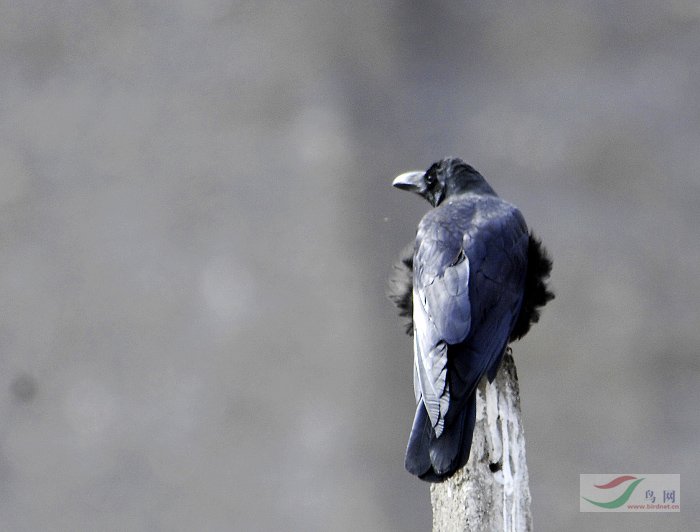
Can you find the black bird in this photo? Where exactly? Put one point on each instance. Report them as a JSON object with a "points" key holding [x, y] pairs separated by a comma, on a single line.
{"points": [[473, 281]]}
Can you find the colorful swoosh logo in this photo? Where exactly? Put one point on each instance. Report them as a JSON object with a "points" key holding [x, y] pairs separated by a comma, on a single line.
{"points": [[622, 499], [615, 482]]}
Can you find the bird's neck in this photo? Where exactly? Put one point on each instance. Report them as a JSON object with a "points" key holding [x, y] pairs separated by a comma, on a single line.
{"points": [[479, 188]]}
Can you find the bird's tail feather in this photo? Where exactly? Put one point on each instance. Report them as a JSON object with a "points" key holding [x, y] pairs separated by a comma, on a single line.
{"points": [[418, 451], [436, 459]]}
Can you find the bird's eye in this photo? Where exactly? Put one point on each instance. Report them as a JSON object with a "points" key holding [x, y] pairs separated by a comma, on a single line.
{"points": [[430, 179]]}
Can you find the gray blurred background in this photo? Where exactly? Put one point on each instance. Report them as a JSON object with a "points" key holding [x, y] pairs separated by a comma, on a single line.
{"points": [[197, 225]]}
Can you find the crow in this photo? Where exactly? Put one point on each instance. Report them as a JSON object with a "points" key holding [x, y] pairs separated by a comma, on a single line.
{"points": [[473, 281]]}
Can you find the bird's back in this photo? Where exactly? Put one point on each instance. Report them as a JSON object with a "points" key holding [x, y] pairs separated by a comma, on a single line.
{"points": [[489, 235]]}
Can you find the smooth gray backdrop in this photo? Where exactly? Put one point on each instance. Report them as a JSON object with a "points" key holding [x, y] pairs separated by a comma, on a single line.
{"points": [[197, 223]]}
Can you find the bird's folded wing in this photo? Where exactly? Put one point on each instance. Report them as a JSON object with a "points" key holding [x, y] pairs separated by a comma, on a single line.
{"points": [[441, 315]]}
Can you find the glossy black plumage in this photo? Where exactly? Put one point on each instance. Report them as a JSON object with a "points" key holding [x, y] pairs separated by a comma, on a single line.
{"points": [[475, 281]]}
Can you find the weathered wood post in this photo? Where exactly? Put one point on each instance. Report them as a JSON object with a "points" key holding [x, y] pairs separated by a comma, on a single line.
{"points": [[491, 492]]}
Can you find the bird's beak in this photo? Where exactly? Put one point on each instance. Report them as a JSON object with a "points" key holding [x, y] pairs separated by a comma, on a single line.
{"points": [[412, 181]]}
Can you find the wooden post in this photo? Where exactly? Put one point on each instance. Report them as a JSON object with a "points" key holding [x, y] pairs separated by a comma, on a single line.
{"points": [[491, 492]]}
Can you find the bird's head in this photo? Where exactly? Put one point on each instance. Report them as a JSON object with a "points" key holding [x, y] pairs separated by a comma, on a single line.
{"points": [[445, 178]]}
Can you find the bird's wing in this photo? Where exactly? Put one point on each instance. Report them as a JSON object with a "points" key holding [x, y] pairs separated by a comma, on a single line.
{"points": [[497, 251], [441, 313]]}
